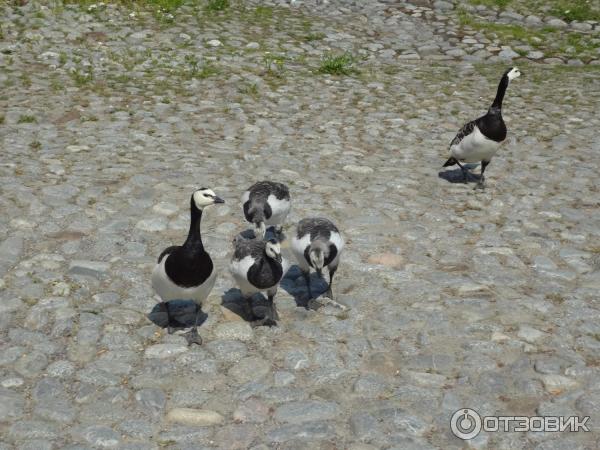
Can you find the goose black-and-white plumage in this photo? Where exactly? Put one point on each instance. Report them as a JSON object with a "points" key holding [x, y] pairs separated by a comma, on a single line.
{"points": [[478, 140], [266, 203], [256, 266], [186, 272], [318, 244]]}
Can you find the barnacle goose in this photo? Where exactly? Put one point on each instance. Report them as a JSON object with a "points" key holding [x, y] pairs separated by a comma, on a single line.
{"points": [[266, 203], [318, 244], [479, 139], [257, 265], [186, 272]]}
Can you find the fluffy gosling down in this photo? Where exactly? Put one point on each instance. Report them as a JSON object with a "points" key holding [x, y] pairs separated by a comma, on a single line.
{"points": [[318, 244], [186, 272], [479, 140], [257, 266], [266, 204]]}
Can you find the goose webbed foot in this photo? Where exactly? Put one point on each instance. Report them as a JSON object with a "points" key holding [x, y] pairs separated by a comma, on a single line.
{"points": [[274, 313], [271, 316], [325, 300], [480, 183], [192, 337], [264, 322]]}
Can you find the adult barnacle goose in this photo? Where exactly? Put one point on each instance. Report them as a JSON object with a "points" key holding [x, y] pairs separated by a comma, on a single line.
{"points": [[186, 272], [479, 139], [257, 265], [266, 203], [318, 244]]}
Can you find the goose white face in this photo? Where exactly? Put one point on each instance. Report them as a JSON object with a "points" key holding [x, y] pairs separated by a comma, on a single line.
{"points": [[273, 250], [513, 73], [206, 197]]}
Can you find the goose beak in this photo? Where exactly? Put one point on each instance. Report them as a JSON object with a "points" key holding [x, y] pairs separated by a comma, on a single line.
{"points": [[218, 200]]}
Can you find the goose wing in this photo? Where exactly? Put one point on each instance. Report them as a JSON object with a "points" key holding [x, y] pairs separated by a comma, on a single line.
{"points": [[167, 251], [466, 130]]}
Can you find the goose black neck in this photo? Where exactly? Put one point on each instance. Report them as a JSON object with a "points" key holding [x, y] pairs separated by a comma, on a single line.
{"points": [[194, 238], [497, 105]]}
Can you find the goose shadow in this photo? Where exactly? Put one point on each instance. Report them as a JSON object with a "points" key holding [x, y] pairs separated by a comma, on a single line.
{"points": [[233, 300], [182, 313], [294, 284], [257, 308], [456, 175]]}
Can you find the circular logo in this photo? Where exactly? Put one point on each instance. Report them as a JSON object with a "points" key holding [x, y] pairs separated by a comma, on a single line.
{"points": [[465, 424]]}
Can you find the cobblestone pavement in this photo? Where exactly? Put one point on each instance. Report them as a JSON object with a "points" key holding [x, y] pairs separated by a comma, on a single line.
{"points": [[458, 298]]}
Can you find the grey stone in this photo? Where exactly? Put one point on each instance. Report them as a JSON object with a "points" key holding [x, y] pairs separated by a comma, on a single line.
{"points": [[240, 331], [94, 269], [557, 23], [250, 368], [442, 5], [101, 436], [308, 431], [305, 411], [508, 53], [10, 251], [12, 405], [151, 401]]}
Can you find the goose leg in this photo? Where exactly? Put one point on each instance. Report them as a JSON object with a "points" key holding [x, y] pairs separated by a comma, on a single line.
{"points": [[327, 298], [465, 172], [307, 280], [165, 306], [271, 315], [329, 293], [480, 183], [248, 306], [192, 336]]}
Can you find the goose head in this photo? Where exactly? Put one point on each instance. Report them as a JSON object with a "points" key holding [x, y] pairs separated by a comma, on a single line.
{"points": [[204, 197], [512, 73], [273, 250]]}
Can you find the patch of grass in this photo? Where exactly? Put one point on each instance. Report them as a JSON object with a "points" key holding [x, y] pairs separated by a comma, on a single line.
{"points": [[82, 78], [338, 65], [35, 145], [55, 84], [314, 37], [24, 118], [274, 64], [550, 40], [195, 70], [1, 120], [263, 12], [579, 10], [216, 5], [166, 5], [464, 17], [250, 89], [497, 3], [556, 298]]}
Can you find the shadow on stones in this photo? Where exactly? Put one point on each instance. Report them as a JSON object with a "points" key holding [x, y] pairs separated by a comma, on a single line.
{"points": [[182, 312], [294, 284], [256, 309], [233, 300], [456, 175], [270, 234]]}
